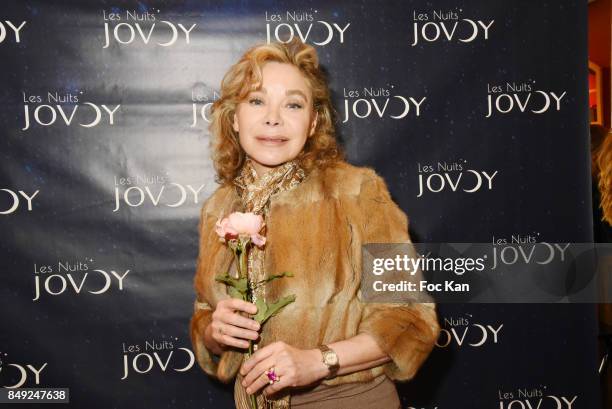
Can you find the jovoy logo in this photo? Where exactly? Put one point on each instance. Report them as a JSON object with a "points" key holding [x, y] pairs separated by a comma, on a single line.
{"points": [[159, 354], [75, 278], [136, 191], [124, 27], [452, 176], [525, 249], [66, 109], [461, 332], [431, 26], [309, 26], [513, 97], [381, 102]]}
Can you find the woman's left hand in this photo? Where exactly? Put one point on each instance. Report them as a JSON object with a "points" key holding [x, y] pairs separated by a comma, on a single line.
{"points": [[295, 367]]}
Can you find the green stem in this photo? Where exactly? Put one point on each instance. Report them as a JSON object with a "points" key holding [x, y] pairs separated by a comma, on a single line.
{"points": [[243, 263], [242, 270], [252, 397]]}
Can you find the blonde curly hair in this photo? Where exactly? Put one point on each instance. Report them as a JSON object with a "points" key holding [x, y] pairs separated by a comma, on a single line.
{"points": [[320, 150], [604, 162]]}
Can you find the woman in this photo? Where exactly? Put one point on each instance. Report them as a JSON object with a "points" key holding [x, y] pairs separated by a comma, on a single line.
{"points": [[275, 154]]}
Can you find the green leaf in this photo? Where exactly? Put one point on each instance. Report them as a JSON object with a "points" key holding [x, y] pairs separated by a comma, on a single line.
{"points": [[235, 293], [274, 277], [262, 308], [239, 284], [273, 308]]}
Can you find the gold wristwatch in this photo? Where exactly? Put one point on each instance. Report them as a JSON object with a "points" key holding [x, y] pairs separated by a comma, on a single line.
{"points": [[330, 359]]}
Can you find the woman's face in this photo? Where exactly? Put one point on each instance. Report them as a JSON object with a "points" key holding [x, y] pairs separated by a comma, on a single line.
{"points": [[274, 122]]}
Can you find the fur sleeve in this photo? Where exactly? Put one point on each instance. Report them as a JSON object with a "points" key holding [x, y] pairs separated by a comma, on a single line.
{"points": [[405, 332], [202, 311]]}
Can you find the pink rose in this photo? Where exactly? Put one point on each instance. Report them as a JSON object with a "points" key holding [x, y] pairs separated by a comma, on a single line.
{"points": [[242, 224], [223, 228]]}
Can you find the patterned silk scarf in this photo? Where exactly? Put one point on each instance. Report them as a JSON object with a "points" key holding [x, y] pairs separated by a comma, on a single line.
{"points": [[255, 194]]}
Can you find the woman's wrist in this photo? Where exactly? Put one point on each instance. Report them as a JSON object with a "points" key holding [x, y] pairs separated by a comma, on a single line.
{"points": [[320, 369], [210, 343]]}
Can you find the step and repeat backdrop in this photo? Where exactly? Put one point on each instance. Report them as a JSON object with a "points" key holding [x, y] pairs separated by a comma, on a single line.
{"points": [[474, 112]]}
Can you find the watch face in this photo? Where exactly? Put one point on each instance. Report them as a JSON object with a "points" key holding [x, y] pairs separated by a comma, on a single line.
{"points": [[331, 358]]}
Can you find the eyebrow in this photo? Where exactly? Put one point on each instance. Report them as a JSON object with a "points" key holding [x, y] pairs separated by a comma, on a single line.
{"points": [[288, 93]]}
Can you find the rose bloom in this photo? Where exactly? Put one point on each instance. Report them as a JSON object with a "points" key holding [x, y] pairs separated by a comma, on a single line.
{"points": [[241, 224]]}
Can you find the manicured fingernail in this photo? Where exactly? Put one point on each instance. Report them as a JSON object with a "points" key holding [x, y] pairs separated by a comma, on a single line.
{"points": [[248, 391]]}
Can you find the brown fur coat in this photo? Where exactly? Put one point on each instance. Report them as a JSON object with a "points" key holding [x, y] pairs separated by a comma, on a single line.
{"points": [[316, 232]]}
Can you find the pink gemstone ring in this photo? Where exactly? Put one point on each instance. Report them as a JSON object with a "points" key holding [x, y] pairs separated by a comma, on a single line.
{"points": [[272, 376]]}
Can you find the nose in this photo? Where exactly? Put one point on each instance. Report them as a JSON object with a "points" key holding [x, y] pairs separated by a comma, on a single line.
{"points": [[272, 117]]}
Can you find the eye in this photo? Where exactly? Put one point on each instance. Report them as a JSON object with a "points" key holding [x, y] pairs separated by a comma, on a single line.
{"points": [[295, 105], [255, 101]]}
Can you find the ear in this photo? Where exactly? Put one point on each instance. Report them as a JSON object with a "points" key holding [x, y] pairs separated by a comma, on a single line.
{"points": [[235, 125], [313, 124]]}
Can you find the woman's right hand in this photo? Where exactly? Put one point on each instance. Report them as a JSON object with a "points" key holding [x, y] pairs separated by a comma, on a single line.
{"points": [[230, 328]]}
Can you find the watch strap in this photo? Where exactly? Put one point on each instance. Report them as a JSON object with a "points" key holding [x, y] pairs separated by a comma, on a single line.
{"points": [[333, 369]]}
